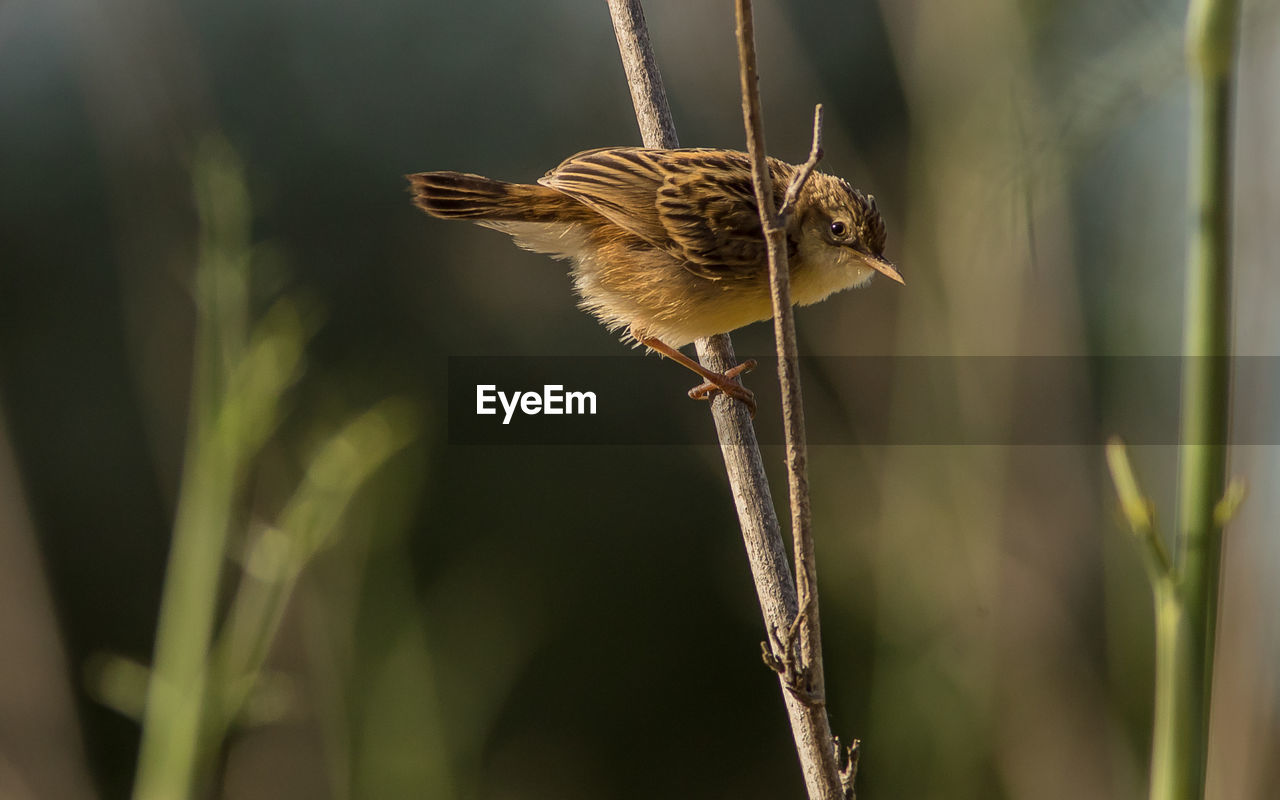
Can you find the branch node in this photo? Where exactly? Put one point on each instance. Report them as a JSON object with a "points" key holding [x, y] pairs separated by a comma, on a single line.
{"points": [[847, 758], [1138, 512], [782, 654], [1227, 507]]}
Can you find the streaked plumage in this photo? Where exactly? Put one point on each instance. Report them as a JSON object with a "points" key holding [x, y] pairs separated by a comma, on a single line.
{"points": [[667, 245]]}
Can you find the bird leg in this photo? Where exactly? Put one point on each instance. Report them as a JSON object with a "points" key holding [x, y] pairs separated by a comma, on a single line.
{"points": [[714, 381]]}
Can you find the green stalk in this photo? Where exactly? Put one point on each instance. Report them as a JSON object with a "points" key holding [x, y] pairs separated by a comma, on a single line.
{"points": [[172, 720], [1187, 603], [237, 384], [174, 706]]}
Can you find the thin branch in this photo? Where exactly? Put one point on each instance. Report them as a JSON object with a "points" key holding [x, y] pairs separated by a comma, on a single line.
{"points": [[648, 95], [738, 445], [822, 772]]}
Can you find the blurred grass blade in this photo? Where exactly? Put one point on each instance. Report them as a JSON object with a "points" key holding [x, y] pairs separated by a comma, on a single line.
{"points": [[306, 526], [234, 402]]}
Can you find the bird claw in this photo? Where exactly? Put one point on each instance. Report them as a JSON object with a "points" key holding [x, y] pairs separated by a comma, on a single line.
{"points": [[727, 383]]}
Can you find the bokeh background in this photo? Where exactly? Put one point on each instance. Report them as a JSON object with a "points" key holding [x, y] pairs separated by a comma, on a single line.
{"points": [[578, 622]]}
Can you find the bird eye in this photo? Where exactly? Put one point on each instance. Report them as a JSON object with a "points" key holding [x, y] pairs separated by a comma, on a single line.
{"points": [[839, 229]]}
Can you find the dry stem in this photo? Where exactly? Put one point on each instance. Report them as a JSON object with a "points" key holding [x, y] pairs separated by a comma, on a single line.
{"points": [[822, 773], [740, 449]]}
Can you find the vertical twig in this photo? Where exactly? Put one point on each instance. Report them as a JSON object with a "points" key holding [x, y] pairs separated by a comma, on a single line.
{"points": [[1182, 710], [807, 678], [738, 445], [784, 331], [1186, 593]]}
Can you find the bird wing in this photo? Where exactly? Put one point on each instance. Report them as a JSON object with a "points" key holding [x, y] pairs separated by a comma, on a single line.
{"points": [[697, 204], [619, 183]]}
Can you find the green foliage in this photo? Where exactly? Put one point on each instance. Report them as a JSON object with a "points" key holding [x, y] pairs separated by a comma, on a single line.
{"points": [[201, 680]]}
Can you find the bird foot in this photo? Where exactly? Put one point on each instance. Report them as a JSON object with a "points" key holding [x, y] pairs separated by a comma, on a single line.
{"points": [[727, 382]]}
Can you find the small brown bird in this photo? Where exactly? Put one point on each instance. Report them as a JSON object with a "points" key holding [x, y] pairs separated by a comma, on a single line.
{"points": [[667, 245]]}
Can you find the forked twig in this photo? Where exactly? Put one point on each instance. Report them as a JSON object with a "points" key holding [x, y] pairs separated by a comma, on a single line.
{"points": [[806, 169]]}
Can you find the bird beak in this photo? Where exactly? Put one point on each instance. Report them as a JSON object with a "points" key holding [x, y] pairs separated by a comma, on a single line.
{"points": [[884, 268]]}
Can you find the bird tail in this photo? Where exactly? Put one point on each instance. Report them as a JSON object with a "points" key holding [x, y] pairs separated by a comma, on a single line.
{"points": [[461, 195]]}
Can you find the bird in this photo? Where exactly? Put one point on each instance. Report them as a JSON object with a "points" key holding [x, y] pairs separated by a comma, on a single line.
{"points": [[667, 245]]}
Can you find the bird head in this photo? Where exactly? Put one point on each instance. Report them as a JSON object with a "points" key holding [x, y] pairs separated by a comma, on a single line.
{"points": [[840, 225]]}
